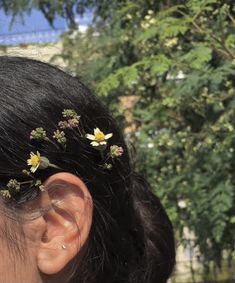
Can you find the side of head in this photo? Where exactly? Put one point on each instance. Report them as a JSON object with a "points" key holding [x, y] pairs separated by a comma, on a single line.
{"points": [[90, 224]]}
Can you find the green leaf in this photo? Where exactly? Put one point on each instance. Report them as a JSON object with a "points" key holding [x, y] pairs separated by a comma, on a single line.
{"points": [[198, 56], [159, 65], [232, 220], [107, 85]]}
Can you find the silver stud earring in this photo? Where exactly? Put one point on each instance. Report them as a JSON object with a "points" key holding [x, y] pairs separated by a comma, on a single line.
{"points": [[64, 247]]}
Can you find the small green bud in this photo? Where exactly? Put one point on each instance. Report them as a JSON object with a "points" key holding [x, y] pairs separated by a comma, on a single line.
{"points": [[38, 134]]}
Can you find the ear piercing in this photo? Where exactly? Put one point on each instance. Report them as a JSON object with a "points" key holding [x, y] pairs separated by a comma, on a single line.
{"points": [[64, 247]]}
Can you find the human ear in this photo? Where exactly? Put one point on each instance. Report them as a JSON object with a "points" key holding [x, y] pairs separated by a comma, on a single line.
{"points": [[66, 224]]}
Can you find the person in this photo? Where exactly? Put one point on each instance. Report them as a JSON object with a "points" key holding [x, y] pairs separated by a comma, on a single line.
{"points": [[72, 207]]}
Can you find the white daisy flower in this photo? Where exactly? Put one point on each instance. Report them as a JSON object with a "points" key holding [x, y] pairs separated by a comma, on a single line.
{"points": [[99, 138]]}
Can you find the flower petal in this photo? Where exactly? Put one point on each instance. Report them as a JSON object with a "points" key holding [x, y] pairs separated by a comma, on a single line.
{"points": [[90, 137], [96, 131], [103, 143], [33, 169], [94, 143], [108, 136]]}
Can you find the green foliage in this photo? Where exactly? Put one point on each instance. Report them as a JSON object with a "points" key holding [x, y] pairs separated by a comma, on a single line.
{"points": [[197, 57], [178, 58]]}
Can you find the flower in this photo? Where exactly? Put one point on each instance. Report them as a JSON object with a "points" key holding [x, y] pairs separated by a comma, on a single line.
{"points": [[116, 151], [37, 161], [60, 137], [99, 138], [13, 184], [73, 123], [108, 166], [34, 161], [63, 124], [5, 193], [171, 42], [26, 172], [70, 114], [70, 124], [38, 183], [38, 134]]}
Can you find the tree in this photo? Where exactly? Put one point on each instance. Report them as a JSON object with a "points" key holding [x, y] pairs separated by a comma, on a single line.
{"points": [[178, 58]]}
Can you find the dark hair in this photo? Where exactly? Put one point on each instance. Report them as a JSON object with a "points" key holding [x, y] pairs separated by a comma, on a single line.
{"points": [[131, 238]]}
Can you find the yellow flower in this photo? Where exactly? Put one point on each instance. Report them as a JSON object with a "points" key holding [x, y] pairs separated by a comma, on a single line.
{"points": [[34, 161], [171, 42], [99, 138], [37, 161]]}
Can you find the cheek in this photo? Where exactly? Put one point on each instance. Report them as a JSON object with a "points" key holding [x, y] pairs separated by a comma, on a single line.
{"points": [[7, 263], [15, 266]]}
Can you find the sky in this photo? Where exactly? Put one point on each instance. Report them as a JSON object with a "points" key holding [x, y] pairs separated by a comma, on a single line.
{"points": [[33, 29]]}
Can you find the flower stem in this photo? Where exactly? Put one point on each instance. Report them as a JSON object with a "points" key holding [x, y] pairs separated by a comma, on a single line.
{"points": [[54, 166]]}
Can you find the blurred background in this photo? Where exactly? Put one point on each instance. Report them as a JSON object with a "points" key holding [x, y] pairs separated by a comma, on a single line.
{"points": [[166, 70]]}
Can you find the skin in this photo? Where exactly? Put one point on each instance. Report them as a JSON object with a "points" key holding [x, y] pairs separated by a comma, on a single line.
{"points": [[39, 256]]}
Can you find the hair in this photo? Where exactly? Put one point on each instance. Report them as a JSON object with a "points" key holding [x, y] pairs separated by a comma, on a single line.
{"points": [[131, 238]]}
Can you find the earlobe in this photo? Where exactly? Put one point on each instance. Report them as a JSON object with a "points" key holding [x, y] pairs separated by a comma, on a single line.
{"points": [[67, 223]]}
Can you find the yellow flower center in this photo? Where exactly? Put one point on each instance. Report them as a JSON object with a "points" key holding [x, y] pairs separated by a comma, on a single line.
{"points": [[35, 160], [100, 136]]}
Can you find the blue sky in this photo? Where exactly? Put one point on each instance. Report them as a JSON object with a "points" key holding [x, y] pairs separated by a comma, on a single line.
{"points": [[33, 22], [34, 28]]}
